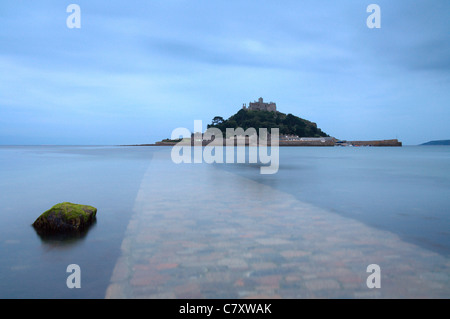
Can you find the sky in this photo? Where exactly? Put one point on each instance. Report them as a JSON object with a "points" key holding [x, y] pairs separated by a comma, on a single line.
{"points": [[137, 70]]}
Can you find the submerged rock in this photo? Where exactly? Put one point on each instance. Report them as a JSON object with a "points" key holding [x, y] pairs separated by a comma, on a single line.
{"points": [[65, 218]]}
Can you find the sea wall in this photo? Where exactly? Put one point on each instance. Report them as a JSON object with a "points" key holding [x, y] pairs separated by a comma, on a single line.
{"points": [[393, 142], [307, 143]]}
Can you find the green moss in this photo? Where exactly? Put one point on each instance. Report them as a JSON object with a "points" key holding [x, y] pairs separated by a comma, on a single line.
{"points": [[71, 211]]}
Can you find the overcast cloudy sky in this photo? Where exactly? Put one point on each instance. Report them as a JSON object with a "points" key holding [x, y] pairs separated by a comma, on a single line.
{"points": [[136, 70]]}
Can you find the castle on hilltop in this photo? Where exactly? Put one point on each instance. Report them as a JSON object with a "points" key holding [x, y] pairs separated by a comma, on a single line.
{"points": [[260, 105]]}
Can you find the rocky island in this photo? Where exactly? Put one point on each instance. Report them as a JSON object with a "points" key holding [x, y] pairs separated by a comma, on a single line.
{"points": [[293, 130]]}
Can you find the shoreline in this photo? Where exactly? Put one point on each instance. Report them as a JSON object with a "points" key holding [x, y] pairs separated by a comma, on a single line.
{"points": [[375, 143]]}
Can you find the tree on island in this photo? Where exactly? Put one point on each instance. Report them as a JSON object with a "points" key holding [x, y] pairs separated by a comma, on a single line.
{"points": [[217, 120]]}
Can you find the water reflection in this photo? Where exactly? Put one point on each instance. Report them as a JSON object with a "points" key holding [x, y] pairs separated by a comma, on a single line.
{"points": [[65, 240]]}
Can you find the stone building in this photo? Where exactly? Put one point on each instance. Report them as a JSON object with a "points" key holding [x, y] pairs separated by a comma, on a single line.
{"points": [[260, 105]]}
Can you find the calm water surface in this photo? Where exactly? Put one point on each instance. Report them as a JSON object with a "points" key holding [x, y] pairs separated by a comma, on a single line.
{"points": [[400, 190], [404, 190], [33, 179]]}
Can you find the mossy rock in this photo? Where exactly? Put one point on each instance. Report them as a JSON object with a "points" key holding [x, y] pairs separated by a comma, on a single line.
{"points": [[64, 218]]}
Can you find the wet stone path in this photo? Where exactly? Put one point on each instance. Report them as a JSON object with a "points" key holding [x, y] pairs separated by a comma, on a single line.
{"points": [[206, 233]]}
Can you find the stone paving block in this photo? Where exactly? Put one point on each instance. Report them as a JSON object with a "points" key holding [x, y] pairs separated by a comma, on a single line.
{"points": [[322, 284]]}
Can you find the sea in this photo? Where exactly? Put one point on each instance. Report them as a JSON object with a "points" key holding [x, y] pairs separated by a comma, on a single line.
{"points": [[224, 230]]}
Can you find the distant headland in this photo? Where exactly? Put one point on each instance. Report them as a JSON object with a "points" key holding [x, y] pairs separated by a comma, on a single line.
{"points": [[437, 142], [293, 130]]}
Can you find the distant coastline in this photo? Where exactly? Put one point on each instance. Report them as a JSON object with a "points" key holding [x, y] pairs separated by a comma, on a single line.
{"points": [[437, 142]]}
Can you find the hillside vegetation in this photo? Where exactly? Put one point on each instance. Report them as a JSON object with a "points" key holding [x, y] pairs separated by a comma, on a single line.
{"points": [[287, 124]]}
